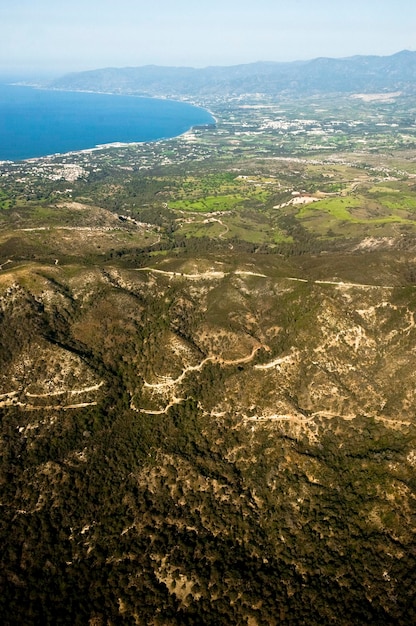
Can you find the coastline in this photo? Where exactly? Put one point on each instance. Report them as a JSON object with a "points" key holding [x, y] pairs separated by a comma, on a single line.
{"points": [[117, 143]]}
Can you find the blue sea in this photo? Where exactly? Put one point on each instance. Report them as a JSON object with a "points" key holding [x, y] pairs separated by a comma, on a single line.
{"points": [[36, 122]]}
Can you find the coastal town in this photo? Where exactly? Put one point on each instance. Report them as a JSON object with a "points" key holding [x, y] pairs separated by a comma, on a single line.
{"points": [[313, 129]]}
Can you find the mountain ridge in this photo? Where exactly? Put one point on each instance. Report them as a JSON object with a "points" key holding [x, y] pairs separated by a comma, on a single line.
{"points": [[321, 75]]}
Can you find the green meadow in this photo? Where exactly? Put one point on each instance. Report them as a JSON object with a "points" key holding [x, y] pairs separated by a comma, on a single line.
{"points": [[378, 206]]}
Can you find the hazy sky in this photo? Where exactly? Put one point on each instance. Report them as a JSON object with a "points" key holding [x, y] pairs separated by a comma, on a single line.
{"points": [[49, 36]]}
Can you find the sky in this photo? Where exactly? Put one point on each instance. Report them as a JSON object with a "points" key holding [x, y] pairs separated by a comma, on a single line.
{"points": [[49, 37]]}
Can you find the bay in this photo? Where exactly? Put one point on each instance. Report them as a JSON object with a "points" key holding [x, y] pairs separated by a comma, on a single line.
{"points": [[37, 122]]}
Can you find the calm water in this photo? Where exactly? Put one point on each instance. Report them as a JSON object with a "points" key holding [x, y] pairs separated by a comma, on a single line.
{"points": [[36, 122]]}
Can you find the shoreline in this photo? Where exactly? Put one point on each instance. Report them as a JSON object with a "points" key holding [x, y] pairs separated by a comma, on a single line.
{"points": [[111, 144]]}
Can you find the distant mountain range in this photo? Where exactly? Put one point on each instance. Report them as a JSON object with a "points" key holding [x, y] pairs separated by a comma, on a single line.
{"points": [[364, 74]]}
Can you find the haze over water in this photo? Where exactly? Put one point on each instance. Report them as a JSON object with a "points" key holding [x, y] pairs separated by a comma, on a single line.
{"points": [[36, 123]]}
